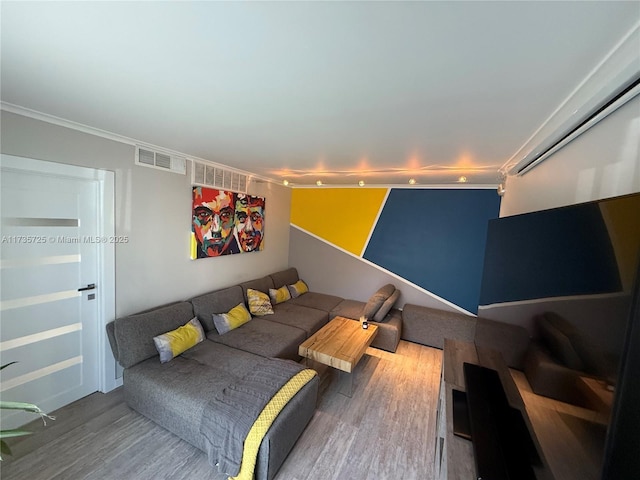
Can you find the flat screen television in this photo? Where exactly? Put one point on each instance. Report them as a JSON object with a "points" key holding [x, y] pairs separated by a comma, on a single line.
{"points": [[581, 263]]}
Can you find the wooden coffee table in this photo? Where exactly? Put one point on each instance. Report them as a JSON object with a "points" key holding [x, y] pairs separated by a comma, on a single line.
{"points": [[340, 344]]}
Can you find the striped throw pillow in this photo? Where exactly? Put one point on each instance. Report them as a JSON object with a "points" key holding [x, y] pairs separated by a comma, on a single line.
{"points": [[259, 303]]}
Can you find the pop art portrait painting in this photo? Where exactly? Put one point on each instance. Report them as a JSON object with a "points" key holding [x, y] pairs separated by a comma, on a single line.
{"points": [[213, 221], [225, 223], [249, 225]]}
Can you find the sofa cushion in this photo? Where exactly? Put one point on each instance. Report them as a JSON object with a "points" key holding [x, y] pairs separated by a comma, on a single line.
{"points": [[348, 309], [573, 347], [386, 307], [237, 316], [259, 302], [219, 301], [595, 360], [430, 326], [557, 341], [265, 338], [308, 319], [175, 342], [550, 379], [510, 340], [285, 277], [279, 295], [298, 288], [135, 333], [319, 301], [262, 284], [377, 299], [559, 323], [389, 331]]}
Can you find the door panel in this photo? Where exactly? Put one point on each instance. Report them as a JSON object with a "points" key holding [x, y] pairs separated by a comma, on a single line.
{"points": [[48, 252]]}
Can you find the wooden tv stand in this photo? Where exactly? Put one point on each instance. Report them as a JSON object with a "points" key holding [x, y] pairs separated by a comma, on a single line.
{"points": [[454, 457], [561, 433]]}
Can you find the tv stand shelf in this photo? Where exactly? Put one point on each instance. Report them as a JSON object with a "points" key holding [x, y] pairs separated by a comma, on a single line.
{"points": [[455, 455]]}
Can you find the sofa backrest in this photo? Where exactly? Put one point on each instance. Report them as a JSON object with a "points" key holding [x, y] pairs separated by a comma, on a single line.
{"points": [[111, 335], [134, 334], [220, 301], [262, 284], [285, 277], [512, 341], [572, 347], [430, 326]]}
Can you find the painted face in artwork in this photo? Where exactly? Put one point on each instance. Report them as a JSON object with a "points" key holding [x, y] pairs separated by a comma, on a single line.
{"points": [[213, 221], [249, 222]]}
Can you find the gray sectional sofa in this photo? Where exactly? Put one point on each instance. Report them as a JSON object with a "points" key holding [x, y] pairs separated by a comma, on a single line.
{"points": [[429, 326], [175, 394], [561, 357]]}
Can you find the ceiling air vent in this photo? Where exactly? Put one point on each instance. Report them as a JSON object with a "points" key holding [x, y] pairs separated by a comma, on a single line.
{"points": [[217, 177], [161, 161]]}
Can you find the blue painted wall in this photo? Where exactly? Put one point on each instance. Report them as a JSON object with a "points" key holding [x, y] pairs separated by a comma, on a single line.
{"points": [[436, 239]]}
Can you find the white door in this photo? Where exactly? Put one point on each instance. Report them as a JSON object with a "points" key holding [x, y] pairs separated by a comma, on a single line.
{"points": [[49, 311]]}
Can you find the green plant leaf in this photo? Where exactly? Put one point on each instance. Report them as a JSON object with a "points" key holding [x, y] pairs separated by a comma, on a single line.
{"points": [[4, 448], [13, 433], [27, 407]]}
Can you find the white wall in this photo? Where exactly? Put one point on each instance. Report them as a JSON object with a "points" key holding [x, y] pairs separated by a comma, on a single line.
{"points": [[153, 208], [603, 162]]}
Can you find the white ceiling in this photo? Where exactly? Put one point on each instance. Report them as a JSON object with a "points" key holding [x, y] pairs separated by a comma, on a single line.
{"points": [[337, 91]]}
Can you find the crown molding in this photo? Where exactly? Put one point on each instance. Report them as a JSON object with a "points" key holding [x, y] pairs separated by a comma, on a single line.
{"points": [[430, 186], [62, 122]]}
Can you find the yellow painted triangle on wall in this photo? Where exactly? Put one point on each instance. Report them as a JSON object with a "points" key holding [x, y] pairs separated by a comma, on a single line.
{"points": [[341, 216]]}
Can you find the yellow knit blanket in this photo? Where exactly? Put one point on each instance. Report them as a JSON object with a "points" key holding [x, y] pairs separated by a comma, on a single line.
{"points": [[265, 419]]}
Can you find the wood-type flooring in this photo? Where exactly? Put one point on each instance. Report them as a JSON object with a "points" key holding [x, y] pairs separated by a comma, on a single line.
{"points": [[386, 430]]}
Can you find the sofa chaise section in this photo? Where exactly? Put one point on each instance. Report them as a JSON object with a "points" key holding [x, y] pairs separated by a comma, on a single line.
{"points": [[174, 394]]}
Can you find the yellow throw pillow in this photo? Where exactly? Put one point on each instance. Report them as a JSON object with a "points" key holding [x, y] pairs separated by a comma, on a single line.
{"points": [[259, 303], [173, 343], [298, 289], [225, 322], [280, 295]]}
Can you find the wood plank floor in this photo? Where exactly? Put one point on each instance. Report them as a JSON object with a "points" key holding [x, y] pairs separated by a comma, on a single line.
{"points": [[386, 430]]}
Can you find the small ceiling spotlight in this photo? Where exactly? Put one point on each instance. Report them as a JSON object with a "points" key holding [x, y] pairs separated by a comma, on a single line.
{"points": [[501, 189], [361, 183], [462, 179], [412, 181], [285, 182], [319, 183]]}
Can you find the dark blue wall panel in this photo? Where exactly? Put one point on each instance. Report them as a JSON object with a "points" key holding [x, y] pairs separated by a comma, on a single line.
{"points": [[436, 239]]}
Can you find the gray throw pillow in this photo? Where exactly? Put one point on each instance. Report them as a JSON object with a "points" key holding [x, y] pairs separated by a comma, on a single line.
{"points": [[386, 307], [377, 299]]}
